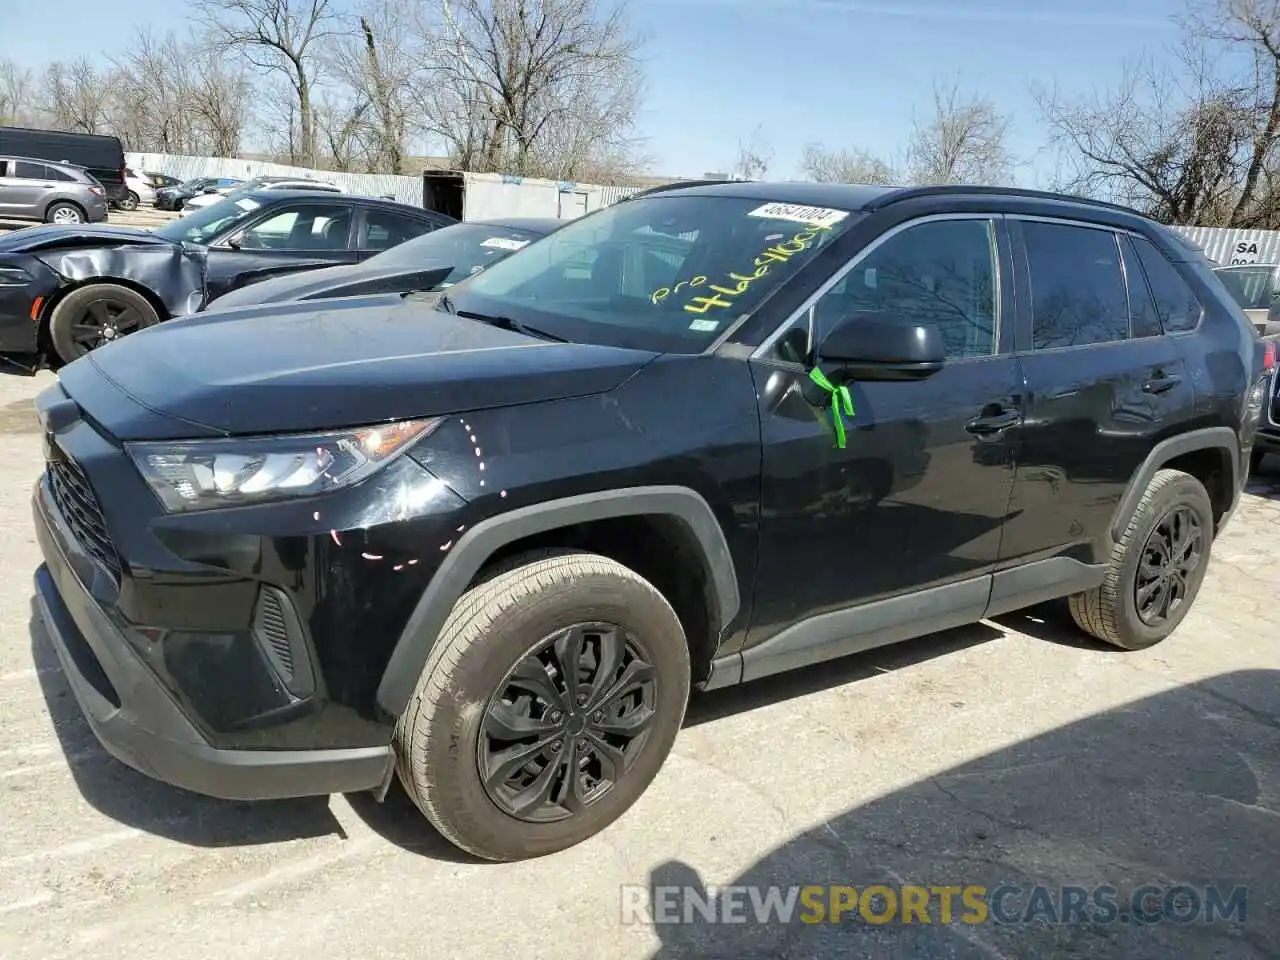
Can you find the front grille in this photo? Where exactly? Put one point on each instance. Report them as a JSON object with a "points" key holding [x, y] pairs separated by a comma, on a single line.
{"points": [[78, 505]]}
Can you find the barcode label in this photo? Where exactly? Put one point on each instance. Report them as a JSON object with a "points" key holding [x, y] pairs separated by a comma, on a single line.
{"points": [[817, 216], [502, 243]]}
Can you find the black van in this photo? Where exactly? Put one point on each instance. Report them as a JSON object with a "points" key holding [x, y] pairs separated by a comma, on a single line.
{"points": [[102, 156]]}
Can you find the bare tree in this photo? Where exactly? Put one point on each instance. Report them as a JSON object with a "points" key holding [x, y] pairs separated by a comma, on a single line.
{"points": [[17, 94], [221, 100], [509, 76], [755, 154], [845, 166], [78, 97], [382, 62], [963, 142], [278, 36]]}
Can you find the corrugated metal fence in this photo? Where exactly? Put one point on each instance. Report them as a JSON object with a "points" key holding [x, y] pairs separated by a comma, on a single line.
{"points": [[405, 189], [1226, 246]]}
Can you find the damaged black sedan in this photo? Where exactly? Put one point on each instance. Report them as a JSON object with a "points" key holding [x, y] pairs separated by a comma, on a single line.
{"points": [[66, 290]]}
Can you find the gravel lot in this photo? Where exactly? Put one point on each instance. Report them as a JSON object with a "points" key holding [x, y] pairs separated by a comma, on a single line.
{"points": [[1008, 752]]}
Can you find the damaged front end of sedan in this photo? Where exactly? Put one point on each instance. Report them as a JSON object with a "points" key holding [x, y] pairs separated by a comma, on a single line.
{"points": [[64, 291]]}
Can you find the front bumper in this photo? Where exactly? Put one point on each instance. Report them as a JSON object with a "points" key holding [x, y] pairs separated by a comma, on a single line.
{"points": [[137, 721]]}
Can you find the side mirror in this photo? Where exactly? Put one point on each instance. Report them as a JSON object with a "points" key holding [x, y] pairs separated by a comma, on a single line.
{"points": [[235, 241], [882, 347]]}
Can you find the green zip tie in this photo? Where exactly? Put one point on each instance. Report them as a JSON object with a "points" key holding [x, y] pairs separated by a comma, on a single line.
{"points": [[840, 397]]}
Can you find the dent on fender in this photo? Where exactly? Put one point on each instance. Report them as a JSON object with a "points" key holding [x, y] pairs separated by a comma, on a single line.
{"points": [[175, 274]]}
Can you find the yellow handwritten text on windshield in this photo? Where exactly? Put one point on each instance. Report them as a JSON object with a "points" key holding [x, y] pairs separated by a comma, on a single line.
{"points": [[724, 295], [663, 292]]}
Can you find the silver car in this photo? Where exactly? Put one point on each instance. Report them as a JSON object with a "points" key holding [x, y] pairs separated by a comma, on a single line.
{"points": [[49, 192], [1256, 287]]}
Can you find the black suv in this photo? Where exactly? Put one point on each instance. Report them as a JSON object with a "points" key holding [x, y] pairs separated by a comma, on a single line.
{"points": [[490, 540]]}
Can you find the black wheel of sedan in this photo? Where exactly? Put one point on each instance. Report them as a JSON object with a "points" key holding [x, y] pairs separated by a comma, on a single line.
{"points": [[548, 704], [97, 314], [1157, 567]]}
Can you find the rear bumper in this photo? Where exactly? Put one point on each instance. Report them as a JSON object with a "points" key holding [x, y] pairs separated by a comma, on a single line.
{"points": [[139, 724]]}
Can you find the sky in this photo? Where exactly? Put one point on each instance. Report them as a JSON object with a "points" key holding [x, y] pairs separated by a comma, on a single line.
{"points": [[784, 73]]}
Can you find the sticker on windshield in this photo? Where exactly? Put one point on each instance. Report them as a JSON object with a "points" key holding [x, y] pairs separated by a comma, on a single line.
{"points": [[816, 216], [502, 243], [244, 203], [704, 326]]}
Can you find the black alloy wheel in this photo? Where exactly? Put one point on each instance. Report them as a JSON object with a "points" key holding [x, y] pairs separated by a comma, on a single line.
{"points": [[1169, 559], [567, 722], [104, 320], [95, 315]]}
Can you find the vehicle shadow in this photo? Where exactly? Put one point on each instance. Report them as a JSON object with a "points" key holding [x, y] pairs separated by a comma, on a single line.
{"points": [[1265, 481], [1178, 789], [135, 800]]}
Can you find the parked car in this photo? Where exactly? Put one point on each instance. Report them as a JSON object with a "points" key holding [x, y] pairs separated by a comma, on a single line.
{"points": [[140, 191], [161, 180], [209, 198], [174, 198], [72, 290], [432, 261], [1256, 288], [101, 156], [49, 192], [488, 540]]}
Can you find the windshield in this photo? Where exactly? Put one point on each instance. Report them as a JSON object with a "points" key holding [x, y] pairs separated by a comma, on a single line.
{"points": [[467, 247], [207, 222], [1251, 287], [666, 272]]}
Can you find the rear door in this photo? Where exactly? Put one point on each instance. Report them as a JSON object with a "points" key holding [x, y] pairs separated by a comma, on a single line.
{"points": [[287, 237], [1104, 385], [27, 185], [379, 229]]}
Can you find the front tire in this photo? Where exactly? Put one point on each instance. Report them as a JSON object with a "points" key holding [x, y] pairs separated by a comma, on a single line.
{"points": [[96, 314], [1156, 569], [548, 704]]}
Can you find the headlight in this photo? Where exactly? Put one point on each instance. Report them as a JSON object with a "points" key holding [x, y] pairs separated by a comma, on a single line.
{"points": [[13, 277], [207, 474]]}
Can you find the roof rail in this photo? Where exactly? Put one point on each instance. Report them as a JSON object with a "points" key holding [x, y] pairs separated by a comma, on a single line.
{"points": [[908, 193], [675, 185]]}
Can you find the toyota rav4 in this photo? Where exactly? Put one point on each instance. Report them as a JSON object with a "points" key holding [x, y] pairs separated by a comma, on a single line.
{"points": [[490, 541]]}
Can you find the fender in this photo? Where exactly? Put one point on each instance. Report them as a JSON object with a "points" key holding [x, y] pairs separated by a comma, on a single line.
{"points": [[1207, 438], [475, 547]]}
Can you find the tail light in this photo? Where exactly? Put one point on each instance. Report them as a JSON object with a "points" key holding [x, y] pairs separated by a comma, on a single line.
{"points": [[1269, 356], [97, 191]]}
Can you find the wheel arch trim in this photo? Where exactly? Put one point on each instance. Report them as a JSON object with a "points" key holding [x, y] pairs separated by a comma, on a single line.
{"points": [[1205, 438], [479, 543]]}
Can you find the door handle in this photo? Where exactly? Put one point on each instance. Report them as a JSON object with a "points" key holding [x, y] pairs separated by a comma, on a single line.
{"points": [[993, 423], [1160, 384]]}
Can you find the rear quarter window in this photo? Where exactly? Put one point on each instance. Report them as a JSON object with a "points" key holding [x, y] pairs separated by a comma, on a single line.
{"points": [[1178, 307]]}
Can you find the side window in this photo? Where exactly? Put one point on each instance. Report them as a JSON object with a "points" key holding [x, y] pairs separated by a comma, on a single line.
{"points": [[386, 229], [53, 173], [1177, 305], [25, 170], [315, 226], [1144, 320], [1078, 294], [942, 273]]}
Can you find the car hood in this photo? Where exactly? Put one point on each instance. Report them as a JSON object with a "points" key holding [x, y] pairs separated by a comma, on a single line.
{"points": [[343, 280], [308, 366], [52, 236]]}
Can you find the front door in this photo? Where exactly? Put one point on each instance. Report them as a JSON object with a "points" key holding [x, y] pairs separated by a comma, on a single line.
{"points": [[288, 238], [917, 497]]}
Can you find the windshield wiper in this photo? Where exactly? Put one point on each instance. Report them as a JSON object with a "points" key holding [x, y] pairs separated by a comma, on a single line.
{"points": [[506, 323]]}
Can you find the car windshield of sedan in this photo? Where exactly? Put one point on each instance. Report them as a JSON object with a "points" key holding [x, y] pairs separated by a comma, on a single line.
{"points": [[207, 222], [467, 247], [666, 272]]}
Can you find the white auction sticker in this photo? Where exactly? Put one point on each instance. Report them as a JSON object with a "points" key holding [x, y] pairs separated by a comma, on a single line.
{"points": [[244, 203], [703, 326], [502, 243], [817, 216]]}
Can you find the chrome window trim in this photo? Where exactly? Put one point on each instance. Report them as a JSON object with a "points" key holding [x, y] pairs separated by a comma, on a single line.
{"points": [[807, 306]]}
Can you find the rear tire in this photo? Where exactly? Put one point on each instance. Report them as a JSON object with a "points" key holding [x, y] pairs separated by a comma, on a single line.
{"points": [[64, 213], [96, 314], [130, 202], [1156, 569], [492, 685]]}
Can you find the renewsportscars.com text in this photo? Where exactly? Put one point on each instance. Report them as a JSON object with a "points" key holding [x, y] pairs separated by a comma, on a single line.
{"points": [[944, 904]]}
